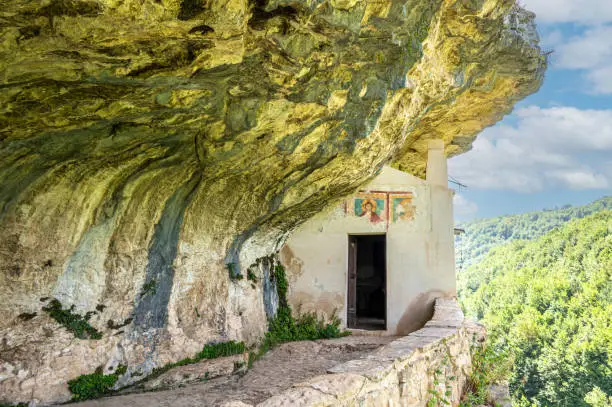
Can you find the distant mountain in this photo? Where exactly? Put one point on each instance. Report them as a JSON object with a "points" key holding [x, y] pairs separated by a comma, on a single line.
{"points": [[484, 234]]}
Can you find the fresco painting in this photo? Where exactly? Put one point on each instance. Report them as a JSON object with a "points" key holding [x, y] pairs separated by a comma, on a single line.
{"points": [[402, 208], [371, 206], [382, 206]]}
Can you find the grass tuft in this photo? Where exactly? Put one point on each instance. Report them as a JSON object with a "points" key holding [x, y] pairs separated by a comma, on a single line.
{"points": [[95, 385], [285, 328], [210, 351], [489, 366]]}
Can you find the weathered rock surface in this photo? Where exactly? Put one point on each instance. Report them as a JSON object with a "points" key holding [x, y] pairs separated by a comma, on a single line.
{"points": [[149, 148], [277, 371], [428, 367], [499, 394], [204, 370]]}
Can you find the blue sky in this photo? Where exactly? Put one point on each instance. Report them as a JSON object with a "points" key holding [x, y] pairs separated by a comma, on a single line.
{"points": [[556, 146]]}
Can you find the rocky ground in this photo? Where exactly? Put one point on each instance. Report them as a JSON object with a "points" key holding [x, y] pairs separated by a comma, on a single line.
{"points": [[276, 371]]}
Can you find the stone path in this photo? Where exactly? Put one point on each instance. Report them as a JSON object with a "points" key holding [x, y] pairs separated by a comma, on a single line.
{"points": [[277, 371]]}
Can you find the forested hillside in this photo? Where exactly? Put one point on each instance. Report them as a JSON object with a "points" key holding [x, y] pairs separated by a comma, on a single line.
{"points": [[482, 235], [548, 303]]}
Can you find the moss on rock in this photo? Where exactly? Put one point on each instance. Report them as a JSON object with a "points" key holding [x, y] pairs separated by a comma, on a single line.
{"points": [[75, 323]]}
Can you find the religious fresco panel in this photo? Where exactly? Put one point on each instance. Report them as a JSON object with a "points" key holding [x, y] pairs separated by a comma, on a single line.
{"points": [[372, 206], [402, 208], [388, 207]]}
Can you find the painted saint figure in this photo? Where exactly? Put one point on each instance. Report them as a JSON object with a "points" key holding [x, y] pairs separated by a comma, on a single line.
{"points": [[368, 207]]}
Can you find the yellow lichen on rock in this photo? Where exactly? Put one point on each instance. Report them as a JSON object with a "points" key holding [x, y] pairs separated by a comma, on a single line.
{"points": [[478, 94], [149, 149]]}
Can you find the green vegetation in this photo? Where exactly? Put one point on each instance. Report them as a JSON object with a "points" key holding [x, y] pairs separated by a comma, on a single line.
{"points": [[210, 351], [75, 323], [484, 234], [437, 397], [95, 385], [547, 304], [217, 350], [285, 328], [91, 386], [150, 287], [489, 366], [14, 405], [251, 276], [233, 273], [597, 398]]}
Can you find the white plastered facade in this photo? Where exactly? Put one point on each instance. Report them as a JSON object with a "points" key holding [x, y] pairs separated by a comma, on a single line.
{"points": [[420, 259]]}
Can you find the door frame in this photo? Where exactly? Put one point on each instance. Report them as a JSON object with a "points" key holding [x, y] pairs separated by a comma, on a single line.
{"points": [[351, 281]]}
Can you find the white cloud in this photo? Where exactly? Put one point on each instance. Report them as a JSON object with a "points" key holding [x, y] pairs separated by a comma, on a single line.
{"points": [[464, 209], [567, 128], [581, 179], [590, 50], [601, 80], [545, 148], [551, 39], [570, 11], [555, 147]]}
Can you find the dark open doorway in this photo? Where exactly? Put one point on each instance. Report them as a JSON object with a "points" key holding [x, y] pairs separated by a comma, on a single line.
{"points": [[367, 283]]}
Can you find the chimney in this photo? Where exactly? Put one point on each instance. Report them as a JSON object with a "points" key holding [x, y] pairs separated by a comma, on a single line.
{"points": [[437, 174]]}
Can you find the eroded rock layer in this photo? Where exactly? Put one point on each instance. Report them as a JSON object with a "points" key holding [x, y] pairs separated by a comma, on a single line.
{"points": [[151, 151]]}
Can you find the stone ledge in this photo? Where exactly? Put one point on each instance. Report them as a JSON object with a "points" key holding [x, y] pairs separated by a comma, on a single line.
{"points": [[203, 370], [399, 373]]}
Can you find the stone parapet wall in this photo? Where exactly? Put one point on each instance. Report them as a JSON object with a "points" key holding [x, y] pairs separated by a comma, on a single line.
{"points": [[432, 363]]}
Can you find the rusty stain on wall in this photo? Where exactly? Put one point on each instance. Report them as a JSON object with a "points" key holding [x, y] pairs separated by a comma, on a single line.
{"points": [[293, 265], [326, 304]]}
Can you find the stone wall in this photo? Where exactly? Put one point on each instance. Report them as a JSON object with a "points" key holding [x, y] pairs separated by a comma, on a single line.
{"points": [[433, 362]]}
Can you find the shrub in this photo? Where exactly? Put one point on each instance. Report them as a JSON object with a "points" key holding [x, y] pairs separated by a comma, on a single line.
{"points": [[150, 287], [489, 366], [220, 349], [96, 385], [91, 386], [234, 274], [251, 276], [597, 398], [284, 328]]}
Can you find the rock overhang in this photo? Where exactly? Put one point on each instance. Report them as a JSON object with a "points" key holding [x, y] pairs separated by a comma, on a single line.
{"points": [[151, 143]]}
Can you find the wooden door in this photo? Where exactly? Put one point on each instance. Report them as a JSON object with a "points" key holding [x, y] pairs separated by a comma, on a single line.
{"points": [[352, 283]]}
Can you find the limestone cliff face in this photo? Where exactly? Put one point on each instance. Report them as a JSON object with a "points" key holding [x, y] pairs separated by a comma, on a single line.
{"points": [[151, 148]]}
